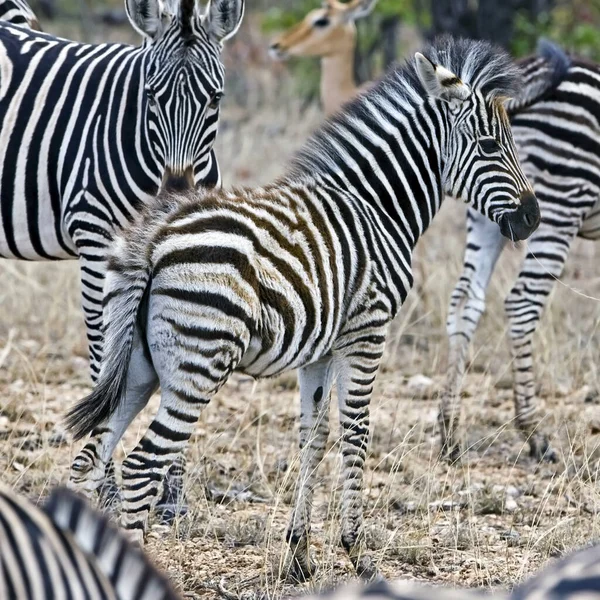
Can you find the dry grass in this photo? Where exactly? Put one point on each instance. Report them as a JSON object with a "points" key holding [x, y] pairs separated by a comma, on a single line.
{"points": [[490, 521]]}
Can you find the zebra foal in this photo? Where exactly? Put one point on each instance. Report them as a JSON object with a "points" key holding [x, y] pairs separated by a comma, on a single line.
{"points": [[305, 273], [556, 126], [67, 550]]}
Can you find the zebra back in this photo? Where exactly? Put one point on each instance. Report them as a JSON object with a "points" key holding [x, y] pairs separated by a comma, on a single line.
{"points": [[19, 12], [69, 550]]}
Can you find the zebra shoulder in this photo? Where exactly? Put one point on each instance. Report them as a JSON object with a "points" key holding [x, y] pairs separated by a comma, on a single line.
{"points": [[124, 564]]}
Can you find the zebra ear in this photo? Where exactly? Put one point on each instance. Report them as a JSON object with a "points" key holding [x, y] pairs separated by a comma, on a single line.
{"points": [[438, 81], [224, 18], [148, 17]]}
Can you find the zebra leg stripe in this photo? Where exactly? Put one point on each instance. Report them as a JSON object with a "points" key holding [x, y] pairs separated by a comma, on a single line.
{"points": [[357, 371], [524, 306], [467, 304], [316, 381]]}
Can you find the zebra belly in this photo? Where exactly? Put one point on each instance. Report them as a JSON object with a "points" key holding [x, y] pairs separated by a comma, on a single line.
{"points": [[33, 239], [590, 229]]}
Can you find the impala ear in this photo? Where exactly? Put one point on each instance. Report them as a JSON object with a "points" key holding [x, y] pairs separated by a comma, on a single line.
{"points": [[438, 81], [224, 18], [357, 9], [148, 17]]}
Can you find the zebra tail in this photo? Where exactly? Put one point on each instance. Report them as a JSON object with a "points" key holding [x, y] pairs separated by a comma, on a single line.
{"points": [[127, 280]]}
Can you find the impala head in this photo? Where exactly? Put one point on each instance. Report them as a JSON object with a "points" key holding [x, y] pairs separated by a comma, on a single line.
{"points": [[184, 76], [470, 81], [324, 31]]}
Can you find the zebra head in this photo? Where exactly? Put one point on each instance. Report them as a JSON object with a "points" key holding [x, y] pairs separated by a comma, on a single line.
{"points": [[184, 77], [471, 80]]}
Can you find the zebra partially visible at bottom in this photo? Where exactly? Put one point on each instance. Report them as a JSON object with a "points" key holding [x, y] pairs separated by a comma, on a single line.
{"points": [[306, 273], [65, 549]]}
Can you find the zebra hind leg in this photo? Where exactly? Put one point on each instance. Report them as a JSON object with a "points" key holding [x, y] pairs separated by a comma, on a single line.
{"points": [[315, 392], [189, 378], [92, 470]]}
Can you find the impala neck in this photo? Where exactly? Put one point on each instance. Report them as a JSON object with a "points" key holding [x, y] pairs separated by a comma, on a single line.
{"points": [[337, 79]]}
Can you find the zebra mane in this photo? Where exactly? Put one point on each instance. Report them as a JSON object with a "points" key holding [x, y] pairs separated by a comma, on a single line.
{"points": [[479, 64]]}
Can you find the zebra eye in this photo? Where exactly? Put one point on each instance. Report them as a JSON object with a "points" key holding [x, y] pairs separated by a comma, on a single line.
{"points": [[489, 145], [216, 100], [322, 22]]}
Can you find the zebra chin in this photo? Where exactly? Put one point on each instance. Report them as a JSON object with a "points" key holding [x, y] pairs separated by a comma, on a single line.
{"points": [[522, 222]]}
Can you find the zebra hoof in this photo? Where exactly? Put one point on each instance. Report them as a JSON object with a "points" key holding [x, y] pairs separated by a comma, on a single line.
{"points": [[451, 453], [366, 569], [168, 513], [541, 451], [302, 570]]}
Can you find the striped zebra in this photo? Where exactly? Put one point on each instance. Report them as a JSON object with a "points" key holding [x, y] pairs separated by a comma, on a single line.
{"points": [[19, 12], [91, 132], [304, 273], [67, 550], [556, 126]]}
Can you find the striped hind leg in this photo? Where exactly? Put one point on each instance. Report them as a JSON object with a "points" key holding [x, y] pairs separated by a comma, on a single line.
{"points": [[190, 377], [467, 305], [547, 252], [357, 372], [315, 392], [92, 464]]}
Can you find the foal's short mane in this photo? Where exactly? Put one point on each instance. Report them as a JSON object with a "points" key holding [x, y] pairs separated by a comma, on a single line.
{"points": [[479, 64]]}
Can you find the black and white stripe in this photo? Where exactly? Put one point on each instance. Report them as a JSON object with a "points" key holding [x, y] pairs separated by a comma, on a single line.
{"points": [[91, 132], [556, 126], [19, 12], [304, 273], [67, 550]]}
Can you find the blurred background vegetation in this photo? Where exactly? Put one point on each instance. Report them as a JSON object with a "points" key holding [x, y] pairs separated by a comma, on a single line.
{"points": [[394, 29]]}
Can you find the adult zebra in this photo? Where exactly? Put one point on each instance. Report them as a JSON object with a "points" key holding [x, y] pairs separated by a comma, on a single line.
{"points": [[67, 550], [19, 13], [305, 273], [91, 132], [556, 126]]}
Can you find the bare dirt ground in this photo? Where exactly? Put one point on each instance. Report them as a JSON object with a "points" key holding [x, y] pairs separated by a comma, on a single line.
{"points": [[489, 521]]}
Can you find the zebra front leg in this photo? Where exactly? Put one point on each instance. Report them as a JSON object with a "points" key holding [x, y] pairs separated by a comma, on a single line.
{"points": [[546, 255], [315, 390], [91, 469], [467, 304], [357, 372]]}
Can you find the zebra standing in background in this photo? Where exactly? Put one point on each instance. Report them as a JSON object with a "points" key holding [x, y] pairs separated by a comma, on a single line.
{"points": [[68, 550], [19, 12], [91, 132], [556, 126], [305, 273]]}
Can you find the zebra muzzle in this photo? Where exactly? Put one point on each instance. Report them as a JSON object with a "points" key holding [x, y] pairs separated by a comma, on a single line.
{"points": [[521, 223], [178, 182]]}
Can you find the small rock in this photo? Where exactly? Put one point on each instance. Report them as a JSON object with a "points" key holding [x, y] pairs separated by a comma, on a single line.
{"points": [[512, 491], [420, 386], [510, 505], [511, 537]]}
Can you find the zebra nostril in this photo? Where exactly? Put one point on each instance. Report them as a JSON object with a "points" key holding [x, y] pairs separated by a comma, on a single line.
{"points": [[529, 219]]}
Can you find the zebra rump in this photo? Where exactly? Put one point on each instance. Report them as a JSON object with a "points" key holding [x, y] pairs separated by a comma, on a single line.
{"points": [[68, 550]]}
